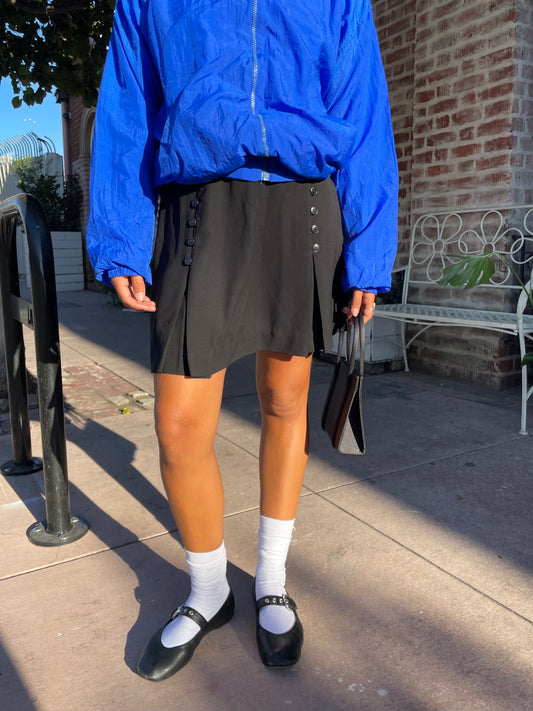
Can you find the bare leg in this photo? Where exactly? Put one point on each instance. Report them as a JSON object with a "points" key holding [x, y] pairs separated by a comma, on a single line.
{"points": [[187, 412], [282, 387], [186, 415]]}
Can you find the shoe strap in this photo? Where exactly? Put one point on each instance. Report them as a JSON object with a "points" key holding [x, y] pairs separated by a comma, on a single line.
{"points": [[191, 613], [284, 600]]}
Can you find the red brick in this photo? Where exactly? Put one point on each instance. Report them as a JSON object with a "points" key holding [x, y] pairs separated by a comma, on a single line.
{"points": [[443, 106], [467, 134], [498, 107], [467, 149], [501, 56], [439, 75], [443, 41], [443, 59], [469, 82], [424, 65], [502, 143], [402, 137], [426, 157], [470, 49], [506, 72], [441, 169], [446, 8], [469, 115], [440, 138], [425, 126], [465, 166], [424, 96], [469, 98], [492, 162], [399, 54], [492, 92], [494, 127]]}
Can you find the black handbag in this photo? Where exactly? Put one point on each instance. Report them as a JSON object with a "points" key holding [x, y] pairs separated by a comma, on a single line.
{"points": [[342, 417]]}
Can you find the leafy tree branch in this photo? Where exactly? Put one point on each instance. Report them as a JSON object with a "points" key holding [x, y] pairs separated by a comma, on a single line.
{"points": [[54, 45]]}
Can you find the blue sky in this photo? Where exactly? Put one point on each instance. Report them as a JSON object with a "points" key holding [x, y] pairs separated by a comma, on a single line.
{"points": [[43, 119]]}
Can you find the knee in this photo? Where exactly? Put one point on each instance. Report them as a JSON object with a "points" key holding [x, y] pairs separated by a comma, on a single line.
{"points": [[179, 438], [287, 403]]}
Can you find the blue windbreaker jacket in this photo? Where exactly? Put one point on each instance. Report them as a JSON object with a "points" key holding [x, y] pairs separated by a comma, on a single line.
{"points": [[274, 90]]}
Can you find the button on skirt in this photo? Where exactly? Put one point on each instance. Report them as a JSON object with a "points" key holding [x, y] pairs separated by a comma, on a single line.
{"points": [[239, 267]]}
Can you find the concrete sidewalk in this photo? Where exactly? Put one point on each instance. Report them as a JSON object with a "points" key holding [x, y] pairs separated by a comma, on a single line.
{"points": [[412, 566]]}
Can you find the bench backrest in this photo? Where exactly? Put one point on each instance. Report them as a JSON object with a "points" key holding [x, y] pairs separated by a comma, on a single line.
{"points": [[439, 238]]}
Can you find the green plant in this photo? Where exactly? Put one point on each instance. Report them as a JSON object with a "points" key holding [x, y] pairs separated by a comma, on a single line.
{"points": [[477, 269], [70, 203], [62, 209]]}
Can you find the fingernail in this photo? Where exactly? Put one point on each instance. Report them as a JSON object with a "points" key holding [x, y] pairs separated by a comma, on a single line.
{"points": [[139, 296], [355, 312]]}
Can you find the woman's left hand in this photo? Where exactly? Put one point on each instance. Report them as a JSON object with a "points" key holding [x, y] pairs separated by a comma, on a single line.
{"points": [[364, 300]]}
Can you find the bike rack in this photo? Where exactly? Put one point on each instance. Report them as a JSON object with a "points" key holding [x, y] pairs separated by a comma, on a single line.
{"points": [[40, 315]]}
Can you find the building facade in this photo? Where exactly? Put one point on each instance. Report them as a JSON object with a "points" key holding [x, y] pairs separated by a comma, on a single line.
{"points": [[460, 76]]}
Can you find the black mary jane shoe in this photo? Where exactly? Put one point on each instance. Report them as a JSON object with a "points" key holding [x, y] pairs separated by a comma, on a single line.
{"points": [[158, 662], [279, 650]]}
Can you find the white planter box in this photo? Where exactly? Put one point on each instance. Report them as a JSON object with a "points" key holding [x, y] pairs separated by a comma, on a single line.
{"points": [[68, 260], [383, 340]]}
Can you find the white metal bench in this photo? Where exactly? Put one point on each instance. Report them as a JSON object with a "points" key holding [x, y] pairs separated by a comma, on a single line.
{"points": [[437, 239]]}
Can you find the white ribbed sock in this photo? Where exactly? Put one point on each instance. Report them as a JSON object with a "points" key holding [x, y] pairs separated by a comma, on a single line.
{"points": [[274, 540], [209, 590]]}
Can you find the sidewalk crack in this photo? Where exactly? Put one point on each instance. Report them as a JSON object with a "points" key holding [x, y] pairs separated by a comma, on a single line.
{"points": [[427, 560]]}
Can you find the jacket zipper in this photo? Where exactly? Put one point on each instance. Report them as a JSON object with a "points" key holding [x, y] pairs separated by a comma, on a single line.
{"points": [[264, 175]]}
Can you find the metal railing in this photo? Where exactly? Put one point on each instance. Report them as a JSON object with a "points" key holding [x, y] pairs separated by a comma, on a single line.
{"points": [[40, 315]]}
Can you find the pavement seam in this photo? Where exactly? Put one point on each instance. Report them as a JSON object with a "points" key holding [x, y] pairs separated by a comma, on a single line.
{"points": [[236, 444], [127, 543], [89, 554], [401, 470], [426, 560]]}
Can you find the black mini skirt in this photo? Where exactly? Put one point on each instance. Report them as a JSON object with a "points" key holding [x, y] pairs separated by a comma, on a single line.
{"points": [[239, 267]]}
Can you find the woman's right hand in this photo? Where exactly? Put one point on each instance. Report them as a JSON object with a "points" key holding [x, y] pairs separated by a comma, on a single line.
{"points": [[361, 300], [131, 290]]}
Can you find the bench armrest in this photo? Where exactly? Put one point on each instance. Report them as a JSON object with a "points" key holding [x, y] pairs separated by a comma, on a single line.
{"points": [[523, 299]]}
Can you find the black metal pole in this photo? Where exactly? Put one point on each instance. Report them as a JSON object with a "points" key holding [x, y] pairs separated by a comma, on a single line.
{"points": [[17, 390], [60, 527]]}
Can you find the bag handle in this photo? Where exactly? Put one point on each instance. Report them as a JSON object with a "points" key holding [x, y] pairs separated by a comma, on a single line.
{"points": [[354, 329]]}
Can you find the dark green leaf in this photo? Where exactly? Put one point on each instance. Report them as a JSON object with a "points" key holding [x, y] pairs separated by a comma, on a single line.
{"points": [[468, 272], [528, 359]]}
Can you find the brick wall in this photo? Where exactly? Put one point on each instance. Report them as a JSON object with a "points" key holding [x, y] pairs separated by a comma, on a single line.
{"points": [[395, 23], [461, 87], [464, 71], [76, 109], [80, 130], [522, 115]]}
